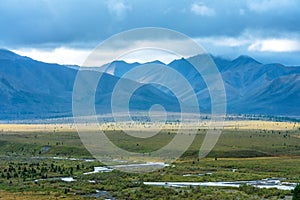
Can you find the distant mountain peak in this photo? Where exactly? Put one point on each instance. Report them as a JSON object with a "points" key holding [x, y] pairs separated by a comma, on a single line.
{"points": [[155, 62], [244, 59], [6, 54], [118, 62], [6, 50], [179, 61]]}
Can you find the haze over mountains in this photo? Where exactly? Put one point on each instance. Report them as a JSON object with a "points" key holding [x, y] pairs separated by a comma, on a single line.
{"points": [[33, 89]]}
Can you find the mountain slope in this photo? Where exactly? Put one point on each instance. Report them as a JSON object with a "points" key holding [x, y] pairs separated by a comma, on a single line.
{"points": [[33, 89], [251, 87]]}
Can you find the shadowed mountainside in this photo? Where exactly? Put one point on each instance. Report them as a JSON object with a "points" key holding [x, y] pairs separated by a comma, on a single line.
{"points": [[33, 89], [251, 87]]}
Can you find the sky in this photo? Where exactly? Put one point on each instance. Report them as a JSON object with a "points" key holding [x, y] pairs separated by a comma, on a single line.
{"points": [[67, 31]]}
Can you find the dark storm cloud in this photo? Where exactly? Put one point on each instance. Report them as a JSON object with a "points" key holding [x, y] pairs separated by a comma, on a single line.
{"points": [[228, 27], [73, 22]]}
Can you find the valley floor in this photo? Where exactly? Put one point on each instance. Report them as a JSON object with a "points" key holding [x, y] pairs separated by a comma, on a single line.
{"points": [[34, 158]]}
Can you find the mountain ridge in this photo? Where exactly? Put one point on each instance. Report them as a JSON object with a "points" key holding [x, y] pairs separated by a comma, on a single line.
{"points": [[34, 89], [244, 78]]}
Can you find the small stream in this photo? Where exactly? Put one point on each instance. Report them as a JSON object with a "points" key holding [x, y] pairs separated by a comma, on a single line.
{"points": [[130, 167], [100, 194], [278, 183], [264, 183]]}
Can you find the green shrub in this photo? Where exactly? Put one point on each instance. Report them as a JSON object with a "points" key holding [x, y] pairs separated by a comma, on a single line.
{"points": [[296, 192]]}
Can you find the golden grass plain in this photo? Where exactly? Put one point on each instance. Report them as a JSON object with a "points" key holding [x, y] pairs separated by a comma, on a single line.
{"points": [[227, 125]]}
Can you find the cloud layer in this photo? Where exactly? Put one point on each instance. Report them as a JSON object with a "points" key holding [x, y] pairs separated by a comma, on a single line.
{"points": [[247, 26]]}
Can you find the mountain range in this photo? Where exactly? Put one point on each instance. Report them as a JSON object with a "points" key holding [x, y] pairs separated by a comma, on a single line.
{"points": [[33, 89]]}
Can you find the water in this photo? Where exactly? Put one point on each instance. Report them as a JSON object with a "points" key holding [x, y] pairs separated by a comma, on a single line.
{"points": [[67, 179], [129, 167], [100, 194], [264, 183], [99, 169]]}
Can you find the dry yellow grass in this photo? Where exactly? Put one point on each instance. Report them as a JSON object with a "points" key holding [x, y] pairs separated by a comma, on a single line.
{"points": [[260, 125], [230, 125], [37, 127]]}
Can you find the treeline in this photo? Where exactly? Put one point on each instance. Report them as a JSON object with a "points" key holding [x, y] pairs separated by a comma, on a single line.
{"points": [[31, 171]]}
